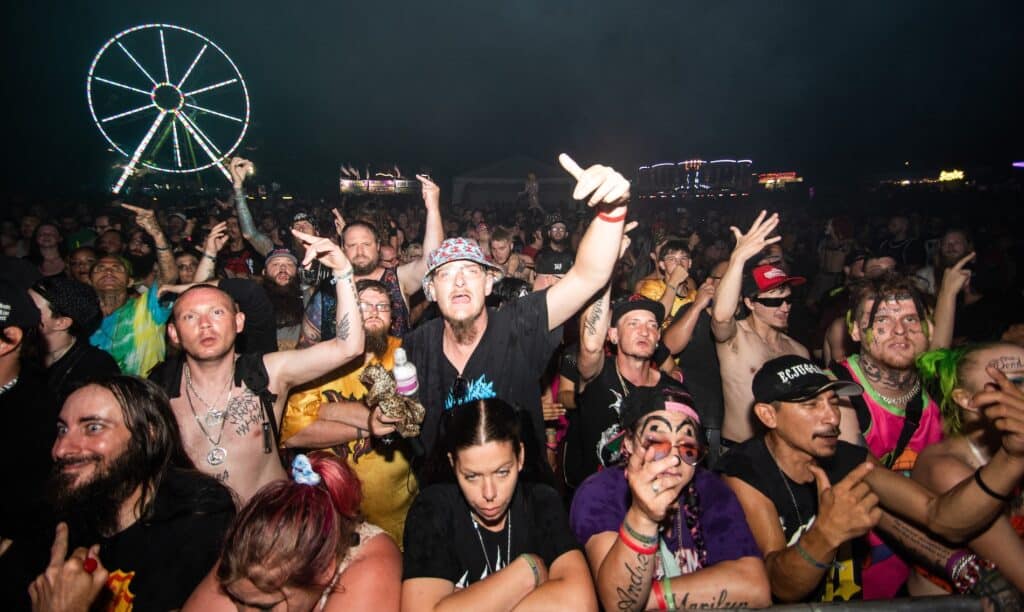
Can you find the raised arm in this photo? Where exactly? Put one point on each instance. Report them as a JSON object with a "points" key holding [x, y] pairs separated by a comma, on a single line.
{"points": [[954, 279], [215, 241], [678, 335], [410, 275], [241, 168], [607, 190], [146, 219], [302, 365], [727, 296], [593, 330]]}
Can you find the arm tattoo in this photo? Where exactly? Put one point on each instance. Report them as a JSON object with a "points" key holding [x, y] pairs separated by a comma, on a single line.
{"points": [[595, 315], [917, 542], [344, 327], [722, 601], [631, 597], [260, 241]]}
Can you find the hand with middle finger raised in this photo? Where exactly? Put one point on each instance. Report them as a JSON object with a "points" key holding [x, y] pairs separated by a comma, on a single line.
{"points": [[324, 250]]}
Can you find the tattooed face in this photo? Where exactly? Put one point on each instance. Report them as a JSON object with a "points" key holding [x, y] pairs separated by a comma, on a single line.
{"points": [[896, 335], [1007, 358], [668, 433]]}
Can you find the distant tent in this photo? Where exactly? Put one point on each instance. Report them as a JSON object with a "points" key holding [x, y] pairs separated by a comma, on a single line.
{"points": [[501, 183]]}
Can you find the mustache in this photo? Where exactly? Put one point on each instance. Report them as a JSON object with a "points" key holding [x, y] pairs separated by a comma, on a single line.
{"points": [[832, 432], [60, 464]]}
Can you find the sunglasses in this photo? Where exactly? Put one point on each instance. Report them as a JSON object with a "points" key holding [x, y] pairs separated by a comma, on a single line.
{"points": [[773, 302], [460, 386], [690, 452]]}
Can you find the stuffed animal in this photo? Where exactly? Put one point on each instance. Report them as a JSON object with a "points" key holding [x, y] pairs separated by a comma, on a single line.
{"points": [[381, 391]]}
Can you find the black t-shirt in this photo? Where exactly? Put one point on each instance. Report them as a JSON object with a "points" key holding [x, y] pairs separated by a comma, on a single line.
{"points": [[597, 412], [260, 333], [753, 464], [508, 362], [701, 372], [441, 540], [82, 362]]}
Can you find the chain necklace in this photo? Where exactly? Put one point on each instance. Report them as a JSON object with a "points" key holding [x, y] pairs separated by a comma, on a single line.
{"points": [[785, 482], [213, 414], [508, 544], [218, 453], [8, 385], [901, 400]]}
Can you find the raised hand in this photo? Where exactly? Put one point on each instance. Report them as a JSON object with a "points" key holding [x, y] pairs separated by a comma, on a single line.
{"points": [[955, 278], [431, 192], [339, 222], [216, 239], [705, 294], [656, 484], [324, 250], [756, 238], [145, 218], [601, 184], [626, 240], [240, 168], [848, 509], [69, 584], [1002, 403]]}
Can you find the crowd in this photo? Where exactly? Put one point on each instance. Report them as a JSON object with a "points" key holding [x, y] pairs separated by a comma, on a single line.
{"points": [[623, 406]]}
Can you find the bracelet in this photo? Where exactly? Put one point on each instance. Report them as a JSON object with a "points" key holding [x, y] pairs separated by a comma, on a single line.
{"points": [[533, 567], [808, 558], [166, 248], [659, 595], [986, 489], [343, 275], [639, 537], [610, 219], [212, 258], [666, 587], [966, 571], [551, 446], [636, 547]]}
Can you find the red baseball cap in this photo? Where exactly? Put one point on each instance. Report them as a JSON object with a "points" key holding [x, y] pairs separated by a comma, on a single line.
{"points": [[767, 277]]}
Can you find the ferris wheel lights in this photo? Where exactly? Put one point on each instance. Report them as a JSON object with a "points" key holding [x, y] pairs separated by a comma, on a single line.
{"points": [[126, 113], [209, 87], [192, 65], [213, 112], [163, 54], [130, 168], [136, 62], [121, 85]]}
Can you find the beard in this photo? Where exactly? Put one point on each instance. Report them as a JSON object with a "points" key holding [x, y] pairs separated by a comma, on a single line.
{"points": [[376, 342], [142, 265], [286, 300], [463, 329], [561, 243], [95, 506], [363, 270]]}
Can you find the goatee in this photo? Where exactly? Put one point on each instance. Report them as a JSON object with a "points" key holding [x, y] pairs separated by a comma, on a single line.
{"points": [[376, 342]]}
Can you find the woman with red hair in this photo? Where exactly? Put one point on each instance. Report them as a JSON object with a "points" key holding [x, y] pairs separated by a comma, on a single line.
{"points": [[300, 544]]}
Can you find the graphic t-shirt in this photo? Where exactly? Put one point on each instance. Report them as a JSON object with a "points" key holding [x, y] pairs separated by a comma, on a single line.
{"points": [[601, 503], [134, 333], [753, 464], [441, 540], [508, 362]]}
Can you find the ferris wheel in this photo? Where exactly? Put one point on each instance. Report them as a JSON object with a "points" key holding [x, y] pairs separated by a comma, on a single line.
{"points": [[168, 99]]}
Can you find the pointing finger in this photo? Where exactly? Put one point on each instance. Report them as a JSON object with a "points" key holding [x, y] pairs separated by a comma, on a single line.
{"points": [[856, 475], [59, 550], [570, 166], [960, 264]]}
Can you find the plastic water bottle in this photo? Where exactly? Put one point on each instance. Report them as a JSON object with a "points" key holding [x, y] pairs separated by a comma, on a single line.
{"points": [[405, 375]]}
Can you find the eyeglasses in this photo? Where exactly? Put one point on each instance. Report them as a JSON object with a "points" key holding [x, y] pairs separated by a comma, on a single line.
{"points": [[368, 307], [773, 302], [690, 452]]}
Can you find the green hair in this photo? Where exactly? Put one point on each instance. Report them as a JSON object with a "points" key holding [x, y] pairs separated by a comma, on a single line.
{"points": [[940, 370]]}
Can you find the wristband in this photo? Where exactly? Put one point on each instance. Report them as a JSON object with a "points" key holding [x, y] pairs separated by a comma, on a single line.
{"points": [[610, 219], [533, 567], [808, 558], [166, 248], [212, 258], [639, 537], [343, 275], [659, 595], [636, 547], [986, 489], [666, 588]]}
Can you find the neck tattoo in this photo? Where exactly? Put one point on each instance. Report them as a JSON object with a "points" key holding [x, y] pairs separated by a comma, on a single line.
{"points": [[217, 454], [508, 543]]}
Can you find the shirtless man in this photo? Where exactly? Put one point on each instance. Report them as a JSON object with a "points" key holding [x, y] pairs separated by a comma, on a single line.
{"points": [[745, 345], [222, 399]]}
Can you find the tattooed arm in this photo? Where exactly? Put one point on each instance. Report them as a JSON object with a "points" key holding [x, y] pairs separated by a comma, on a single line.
{"points": [[290, 368], [241, 168], [593, 330]]}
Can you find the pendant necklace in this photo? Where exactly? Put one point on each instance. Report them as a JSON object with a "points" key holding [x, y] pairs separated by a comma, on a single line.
{"points": [[213, 415], [217, 454], [508, 544], [785, 482]]}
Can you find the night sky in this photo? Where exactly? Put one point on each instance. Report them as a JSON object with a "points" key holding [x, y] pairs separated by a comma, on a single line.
{"points": [[830, 89]]}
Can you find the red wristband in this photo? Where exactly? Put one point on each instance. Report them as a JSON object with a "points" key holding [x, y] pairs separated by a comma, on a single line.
{"points": [[659, 595], [635, 546], [610, 219]]}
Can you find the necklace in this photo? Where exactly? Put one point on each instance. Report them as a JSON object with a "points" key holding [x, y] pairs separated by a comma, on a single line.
{"points": [[901, 400], [785, 482], [508, 543], [217, 454], [8, 385], [213, 415]]}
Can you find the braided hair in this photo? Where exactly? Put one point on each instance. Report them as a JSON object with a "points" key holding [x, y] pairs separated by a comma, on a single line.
{"points": [[690, 509]]}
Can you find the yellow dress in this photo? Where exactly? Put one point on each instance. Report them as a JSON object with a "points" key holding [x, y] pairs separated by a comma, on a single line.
{"points": [[388, 484]]}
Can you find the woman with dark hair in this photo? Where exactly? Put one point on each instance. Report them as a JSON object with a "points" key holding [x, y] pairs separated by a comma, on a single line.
{"points": [[956, 377], [489, 539], [47, 250], [661, 532], [300, 544]]}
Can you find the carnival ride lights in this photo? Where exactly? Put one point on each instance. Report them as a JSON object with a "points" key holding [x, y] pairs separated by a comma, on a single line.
{"points": [[172, 111]]}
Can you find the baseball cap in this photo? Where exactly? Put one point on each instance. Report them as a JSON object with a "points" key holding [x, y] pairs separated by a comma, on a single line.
{"points": [[72, 299], [792, 378], [767, 277], [458, 249], [637, 302], [553, 262], [16, 307], [554, 219], [282, 252], [303, 216]]}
